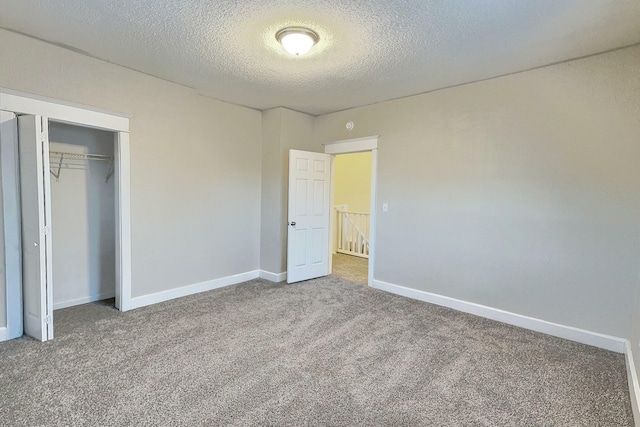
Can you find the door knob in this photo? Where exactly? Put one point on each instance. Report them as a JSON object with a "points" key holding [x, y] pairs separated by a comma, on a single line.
{"points": [[292, 223]]}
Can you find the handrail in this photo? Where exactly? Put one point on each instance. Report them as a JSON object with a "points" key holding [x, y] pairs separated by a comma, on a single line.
{"points": [[353, 212]]}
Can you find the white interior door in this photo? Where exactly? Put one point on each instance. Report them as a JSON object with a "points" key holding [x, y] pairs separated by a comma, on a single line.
{"points": [[309, 215], [36, 231]]}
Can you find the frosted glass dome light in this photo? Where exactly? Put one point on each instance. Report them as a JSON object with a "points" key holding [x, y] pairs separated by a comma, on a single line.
{"points": [[297, 40]]}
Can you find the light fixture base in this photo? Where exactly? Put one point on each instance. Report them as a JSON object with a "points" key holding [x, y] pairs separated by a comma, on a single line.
{"points": [[297, 40]]}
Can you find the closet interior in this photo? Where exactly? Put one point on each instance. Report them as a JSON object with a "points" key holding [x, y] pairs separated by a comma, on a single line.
{"points": [[82, 214]]}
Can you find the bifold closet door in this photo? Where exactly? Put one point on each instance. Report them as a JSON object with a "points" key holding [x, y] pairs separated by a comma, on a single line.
{"points": [[36, 227]]}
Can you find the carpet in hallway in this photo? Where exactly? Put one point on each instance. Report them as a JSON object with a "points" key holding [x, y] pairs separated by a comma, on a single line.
{"points": [[351, 268]]}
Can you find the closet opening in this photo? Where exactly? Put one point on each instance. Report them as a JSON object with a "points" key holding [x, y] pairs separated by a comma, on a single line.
{"points": [[83, 215], [92, 226]]}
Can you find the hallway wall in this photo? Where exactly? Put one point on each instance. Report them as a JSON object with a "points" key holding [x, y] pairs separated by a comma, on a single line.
{"points": [[282, 130], [351, 186], [352, 181]]}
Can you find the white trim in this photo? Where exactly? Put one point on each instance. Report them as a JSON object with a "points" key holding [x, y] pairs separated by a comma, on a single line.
{"points": [[196, 288], [634, 386], [356, 145], [48, 222], [595, 339], [61, 111], [333, 245], [273, 277], [373, 219], [83, 300], [122, 184], [3, 334]]}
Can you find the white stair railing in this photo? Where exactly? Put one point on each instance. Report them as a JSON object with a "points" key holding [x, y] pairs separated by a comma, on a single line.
{"points": [[353, 233]]}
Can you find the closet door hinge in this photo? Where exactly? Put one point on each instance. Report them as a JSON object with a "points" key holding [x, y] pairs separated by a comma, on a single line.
{"points": [[47, 320], [46, 231]]}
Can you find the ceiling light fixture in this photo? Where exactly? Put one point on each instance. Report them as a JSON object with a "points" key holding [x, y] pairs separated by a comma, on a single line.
{"points": [[297, 40]]}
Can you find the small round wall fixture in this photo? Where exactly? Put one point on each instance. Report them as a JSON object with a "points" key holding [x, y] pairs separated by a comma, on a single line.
{"points": [[297, 40]]}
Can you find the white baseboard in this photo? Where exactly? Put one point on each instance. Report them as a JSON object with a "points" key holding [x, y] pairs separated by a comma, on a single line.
{"points": [[595, 339], [634, 386], [273, 277], [196, 288], [83, 300], [3, 334]]}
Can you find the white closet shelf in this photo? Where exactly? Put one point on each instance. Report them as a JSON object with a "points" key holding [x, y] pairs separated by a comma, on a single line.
{"points": [[62, 160]]}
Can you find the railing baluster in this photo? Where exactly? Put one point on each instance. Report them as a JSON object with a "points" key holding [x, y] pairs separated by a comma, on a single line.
{"points": [[360, 249], [339, 225], [353, 232], [345, 231]]}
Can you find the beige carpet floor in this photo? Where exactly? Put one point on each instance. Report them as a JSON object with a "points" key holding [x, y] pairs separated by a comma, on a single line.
{"points": [[323, 352], [351, 268]]}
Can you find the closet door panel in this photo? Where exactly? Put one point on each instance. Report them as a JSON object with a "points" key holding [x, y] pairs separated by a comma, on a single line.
{"points": [[34, 188]]}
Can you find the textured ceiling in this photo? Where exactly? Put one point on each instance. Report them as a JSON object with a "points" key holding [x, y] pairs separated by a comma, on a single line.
{"points": [[369, 51]]}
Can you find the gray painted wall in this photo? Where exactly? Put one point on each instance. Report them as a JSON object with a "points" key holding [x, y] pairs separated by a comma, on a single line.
{"points": [[83, 218], [282, 130], [195, 163], [271, 245], [520, 193], [3, 286]]}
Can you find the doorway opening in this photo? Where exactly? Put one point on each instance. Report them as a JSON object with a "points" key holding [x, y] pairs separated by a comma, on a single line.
{"points": [[367, 145], [351, 216], [311, 218]]}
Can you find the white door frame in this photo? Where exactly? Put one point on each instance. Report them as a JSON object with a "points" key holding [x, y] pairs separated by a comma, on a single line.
{"points": [[357, 145], [15, 103]]}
